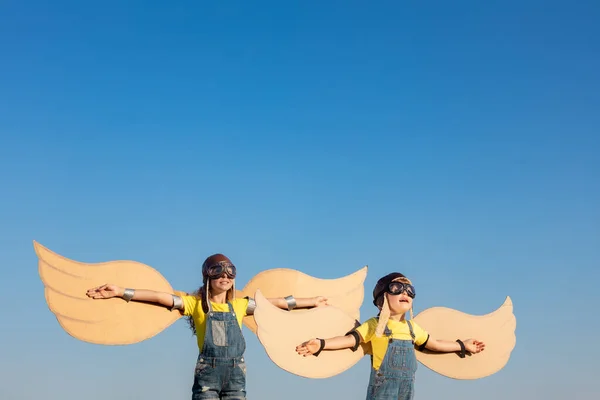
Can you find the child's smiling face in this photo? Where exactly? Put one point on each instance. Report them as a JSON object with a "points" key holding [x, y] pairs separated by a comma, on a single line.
{"points": [[221, 284]]}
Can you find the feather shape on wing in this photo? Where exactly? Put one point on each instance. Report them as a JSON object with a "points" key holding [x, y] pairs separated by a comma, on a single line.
{"points": [[280, 331], [110, 321], [496, 330]]}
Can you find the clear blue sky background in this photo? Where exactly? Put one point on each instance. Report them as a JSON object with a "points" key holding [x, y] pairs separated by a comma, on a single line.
{"points": [[455, 141]]}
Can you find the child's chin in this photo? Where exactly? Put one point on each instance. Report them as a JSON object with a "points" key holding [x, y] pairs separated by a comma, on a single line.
{"points": [[401, 309]]}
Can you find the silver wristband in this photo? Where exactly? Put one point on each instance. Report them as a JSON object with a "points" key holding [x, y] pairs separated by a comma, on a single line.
{"points": [[128, 294], [177, 303], [291, 302], [251, 306]]}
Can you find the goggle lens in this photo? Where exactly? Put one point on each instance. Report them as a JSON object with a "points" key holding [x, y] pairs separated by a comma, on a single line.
{"points": [[399, 287]]}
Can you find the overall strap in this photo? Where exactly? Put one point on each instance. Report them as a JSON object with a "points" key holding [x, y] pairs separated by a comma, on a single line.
{"points": [[412, 333]]}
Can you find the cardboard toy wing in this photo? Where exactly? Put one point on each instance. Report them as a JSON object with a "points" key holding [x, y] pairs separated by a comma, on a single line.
{"points": [[107, 321], [116, 322], [496, 330], [280, 333], [346, 293]]}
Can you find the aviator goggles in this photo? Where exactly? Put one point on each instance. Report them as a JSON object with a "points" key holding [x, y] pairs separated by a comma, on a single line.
{"points": [[399, 287], [396, 288], [217, 270]]}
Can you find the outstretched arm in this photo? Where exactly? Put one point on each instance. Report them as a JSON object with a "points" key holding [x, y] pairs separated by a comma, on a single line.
{"points": [[447, 346], [159, 298], [290, 302], [315, 346]]}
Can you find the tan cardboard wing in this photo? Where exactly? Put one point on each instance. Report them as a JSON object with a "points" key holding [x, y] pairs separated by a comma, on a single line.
{"points": [[346, 293], [280, 332], [496, 330], [108, 321]]}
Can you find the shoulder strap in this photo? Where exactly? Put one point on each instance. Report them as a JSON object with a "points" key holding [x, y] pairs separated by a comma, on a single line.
{"points": [[412, 333]]}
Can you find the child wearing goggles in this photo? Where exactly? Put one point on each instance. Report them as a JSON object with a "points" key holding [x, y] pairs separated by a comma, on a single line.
{"points": [[392, 339], [215, 316]]}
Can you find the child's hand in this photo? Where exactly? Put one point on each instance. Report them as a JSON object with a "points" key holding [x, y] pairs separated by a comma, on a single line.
{"points": [[105, 292], [308, 348], [320, 301], [474, 346]]}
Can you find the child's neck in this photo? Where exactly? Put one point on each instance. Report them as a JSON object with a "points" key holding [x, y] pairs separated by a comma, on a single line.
{"points": [[397, 317], [219, 297]]}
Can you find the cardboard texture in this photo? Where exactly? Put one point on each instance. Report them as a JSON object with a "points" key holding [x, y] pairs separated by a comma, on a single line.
{"points": [[280, 332], [346, 293], [496, 330], [110, 321], [116, 322]]}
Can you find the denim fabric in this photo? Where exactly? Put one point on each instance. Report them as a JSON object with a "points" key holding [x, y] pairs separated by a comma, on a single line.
{"points": [[395, 378], [221, 370]]}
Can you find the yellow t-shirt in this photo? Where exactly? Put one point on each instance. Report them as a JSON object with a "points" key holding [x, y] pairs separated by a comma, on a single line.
{"points": [[193, 307], [399, 330]]}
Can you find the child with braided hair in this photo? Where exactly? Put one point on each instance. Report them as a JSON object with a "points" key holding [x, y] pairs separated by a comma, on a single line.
{"points": [[392, 339]]}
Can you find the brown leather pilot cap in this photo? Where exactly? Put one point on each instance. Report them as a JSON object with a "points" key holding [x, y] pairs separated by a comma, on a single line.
{"points": [[212, 260], [382, 284]]}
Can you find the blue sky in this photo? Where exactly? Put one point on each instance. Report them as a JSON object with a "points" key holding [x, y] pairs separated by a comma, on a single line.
{"points": [[453, 141]]}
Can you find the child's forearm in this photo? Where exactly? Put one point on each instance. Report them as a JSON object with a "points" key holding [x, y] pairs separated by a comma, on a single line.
{"points": [[305, 303], [151, 296], [281, 302], [340, 342], [442, 346]]}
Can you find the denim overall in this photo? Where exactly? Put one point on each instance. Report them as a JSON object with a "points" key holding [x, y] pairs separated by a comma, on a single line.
{"points": [[395, 378], [221, 370]]}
